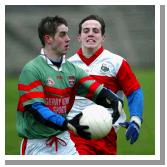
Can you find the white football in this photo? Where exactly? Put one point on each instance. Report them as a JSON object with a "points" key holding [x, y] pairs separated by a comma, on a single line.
{"points": [[98, 119]]}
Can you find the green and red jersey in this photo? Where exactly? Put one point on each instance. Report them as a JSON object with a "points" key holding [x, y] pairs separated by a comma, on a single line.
{"points": [[41, 81]]}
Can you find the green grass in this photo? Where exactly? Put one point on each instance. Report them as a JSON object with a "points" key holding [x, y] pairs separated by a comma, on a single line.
{"points": [[145, 144]]}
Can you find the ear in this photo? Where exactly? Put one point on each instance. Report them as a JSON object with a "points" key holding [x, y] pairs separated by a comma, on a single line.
{"points": [[103, 38], [47, 39], [79, 38]]}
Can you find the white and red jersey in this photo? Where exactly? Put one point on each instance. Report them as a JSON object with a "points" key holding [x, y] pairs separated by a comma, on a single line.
{"points": [[109, 69]]}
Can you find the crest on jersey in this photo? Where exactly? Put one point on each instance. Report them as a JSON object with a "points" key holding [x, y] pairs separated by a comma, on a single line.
{"points": [[71, 80], [104, 67], [50, 81]]}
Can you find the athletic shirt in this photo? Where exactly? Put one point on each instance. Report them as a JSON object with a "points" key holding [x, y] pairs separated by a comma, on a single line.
{"points": [[109, 69], [41, 81]]}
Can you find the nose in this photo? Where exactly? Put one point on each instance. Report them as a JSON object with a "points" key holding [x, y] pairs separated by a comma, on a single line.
{"points": [[67, 38], [90, 33]]}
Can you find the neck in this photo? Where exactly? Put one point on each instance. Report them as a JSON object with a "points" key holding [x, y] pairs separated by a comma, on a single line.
{"points": [[88, 52], [52, 55]]}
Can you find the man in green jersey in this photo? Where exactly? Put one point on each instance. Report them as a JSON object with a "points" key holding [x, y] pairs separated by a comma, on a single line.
{"points": [[47, 88]]}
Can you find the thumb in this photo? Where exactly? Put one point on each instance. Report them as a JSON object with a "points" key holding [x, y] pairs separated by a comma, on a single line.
{"points": [[78, 116], [124, 124]]}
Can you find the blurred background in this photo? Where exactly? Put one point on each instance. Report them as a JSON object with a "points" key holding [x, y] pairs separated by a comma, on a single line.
{"points": [[130, 32]]}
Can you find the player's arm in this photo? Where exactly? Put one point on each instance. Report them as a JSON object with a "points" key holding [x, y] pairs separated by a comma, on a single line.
{"points": [[135, 104], [131, 87], [109, 99], [45, 116]]}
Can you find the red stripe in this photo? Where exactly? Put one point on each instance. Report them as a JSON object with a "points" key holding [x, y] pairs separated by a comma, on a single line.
{"points": [[28, 96], [71, 101], [92, 89], [108, 82], [82, 80], [58, 91], [24, 144], [29, 86], [89, 60]]}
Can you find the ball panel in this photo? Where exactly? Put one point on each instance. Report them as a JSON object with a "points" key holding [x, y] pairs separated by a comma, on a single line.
{"points": [[98, 119]]}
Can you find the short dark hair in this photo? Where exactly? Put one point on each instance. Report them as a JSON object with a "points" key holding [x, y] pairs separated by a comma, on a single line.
{"points": [[93, 17], [48, 26]]}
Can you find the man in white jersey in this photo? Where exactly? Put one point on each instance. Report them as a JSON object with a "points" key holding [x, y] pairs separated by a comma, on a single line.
{"points": [[115, 73], [47, 87]]}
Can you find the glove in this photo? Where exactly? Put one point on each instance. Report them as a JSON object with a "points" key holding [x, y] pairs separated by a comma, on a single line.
{"points": [[132, 130], [117, 110], [74, 125]]}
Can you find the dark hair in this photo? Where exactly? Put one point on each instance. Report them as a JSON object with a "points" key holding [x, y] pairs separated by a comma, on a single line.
{"points": [[48, 26], [93, 17]]}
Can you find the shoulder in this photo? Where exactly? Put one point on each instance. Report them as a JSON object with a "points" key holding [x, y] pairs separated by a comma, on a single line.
{"points": [[72, 65], [33, 64], [74, 58], [115, 58], [111, 60]]}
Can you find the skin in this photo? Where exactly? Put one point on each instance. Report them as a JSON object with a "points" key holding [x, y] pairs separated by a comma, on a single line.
{"points": [[91, 37], [57, 46]]}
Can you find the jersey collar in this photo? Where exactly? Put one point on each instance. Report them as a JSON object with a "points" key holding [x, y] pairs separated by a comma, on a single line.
{"points": [[50, 63], [89, 60]]}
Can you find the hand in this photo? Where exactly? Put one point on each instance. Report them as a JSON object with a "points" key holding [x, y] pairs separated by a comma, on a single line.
{"points": [[74, 125], [117, 109], [132, 131]]}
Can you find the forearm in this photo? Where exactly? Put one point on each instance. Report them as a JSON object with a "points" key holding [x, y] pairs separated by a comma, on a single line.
{"points": [[45, 116], [107, 98], [136, 104]]}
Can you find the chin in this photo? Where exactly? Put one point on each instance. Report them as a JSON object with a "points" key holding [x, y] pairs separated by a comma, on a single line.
{"points": [[91, 46]]}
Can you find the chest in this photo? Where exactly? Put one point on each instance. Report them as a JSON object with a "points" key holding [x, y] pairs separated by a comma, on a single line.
{"points": [[60, 79], [99, 67]]}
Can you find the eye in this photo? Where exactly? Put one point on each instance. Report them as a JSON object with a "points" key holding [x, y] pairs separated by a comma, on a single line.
{"points": [[62, 34], [96, 30], [85, 30]]}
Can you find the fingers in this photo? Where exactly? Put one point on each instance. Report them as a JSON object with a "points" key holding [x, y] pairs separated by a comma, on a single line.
{"points": [[78, 116], [85, 135], [124, 124], [132, 134]]}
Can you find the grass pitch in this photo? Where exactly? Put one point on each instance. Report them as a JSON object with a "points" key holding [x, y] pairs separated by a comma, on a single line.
{"points": [[145, 145]]}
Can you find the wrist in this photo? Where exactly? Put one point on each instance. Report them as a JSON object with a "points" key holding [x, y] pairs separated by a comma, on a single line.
{"points": [[136, 119]]}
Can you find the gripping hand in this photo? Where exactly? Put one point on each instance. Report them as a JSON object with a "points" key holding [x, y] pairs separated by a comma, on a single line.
{"points": [[132, 130], [117, 110], [74, 125]]}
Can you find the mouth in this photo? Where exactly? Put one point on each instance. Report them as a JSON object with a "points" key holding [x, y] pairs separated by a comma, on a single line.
{"points": [[90, 41], [67, 46]]}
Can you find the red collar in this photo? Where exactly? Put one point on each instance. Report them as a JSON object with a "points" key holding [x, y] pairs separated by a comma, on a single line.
{"points": [[88, 61]]}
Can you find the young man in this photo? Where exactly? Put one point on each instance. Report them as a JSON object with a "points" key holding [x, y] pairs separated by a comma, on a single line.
{"points": [[115, 73], [47, 88]]}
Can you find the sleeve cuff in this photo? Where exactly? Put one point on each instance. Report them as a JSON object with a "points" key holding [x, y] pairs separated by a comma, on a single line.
{"points": [[136, 119]]}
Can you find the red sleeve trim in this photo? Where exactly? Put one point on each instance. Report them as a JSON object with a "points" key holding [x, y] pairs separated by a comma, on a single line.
{"points": [[127, 79], [82, 80], [28, 96], [30, 86], [92, 89]]}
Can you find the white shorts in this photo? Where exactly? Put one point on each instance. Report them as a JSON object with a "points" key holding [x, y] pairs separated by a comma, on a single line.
{"points": [[55, 145]]}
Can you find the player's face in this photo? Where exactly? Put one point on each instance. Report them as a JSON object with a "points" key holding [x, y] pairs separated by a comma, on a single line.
{"points": [[60, 42], [91, 35]]}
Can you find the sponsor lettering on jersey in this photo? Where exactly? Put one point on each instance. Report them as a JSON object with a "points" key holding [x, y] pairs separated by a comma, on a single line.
{"points": [[57, 104]]}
